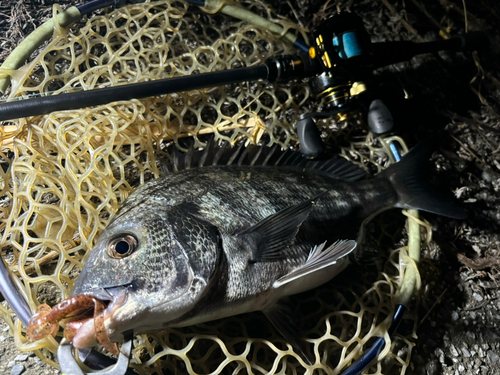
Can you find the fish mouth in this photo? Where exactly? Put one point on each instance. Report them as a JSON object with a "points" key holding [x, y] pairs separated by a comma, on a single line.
{"points": [[86, 333]]}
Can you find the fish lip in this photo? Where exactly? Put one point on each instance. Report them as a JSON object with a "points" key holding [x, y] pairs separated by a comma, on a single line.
{"points": [[113, 297], [108, 293]]}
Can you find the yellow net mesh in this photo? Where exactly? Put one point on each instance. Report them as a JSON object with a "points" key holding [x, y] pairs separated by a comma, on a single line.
{"points": [[71, 170]]}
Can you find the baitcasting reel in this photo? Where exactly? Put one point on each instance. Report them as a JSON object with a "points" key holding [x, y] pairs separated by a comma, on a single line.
{"points": [[345, 59]]}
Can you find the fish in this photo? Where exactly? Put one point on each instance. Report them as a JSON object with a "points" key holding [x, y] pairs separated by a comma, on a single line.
{"points": [[226, 232]]}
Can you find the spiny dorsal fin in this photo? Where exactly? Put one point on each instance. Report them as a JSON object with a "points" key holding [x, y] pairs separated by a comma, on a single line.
{"points": [[260, 156], [269, 238]]}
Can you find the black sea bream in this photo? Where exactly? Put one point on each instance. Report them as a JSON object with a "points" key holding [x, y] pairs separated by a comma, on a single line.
{"points": [[204, 243]]}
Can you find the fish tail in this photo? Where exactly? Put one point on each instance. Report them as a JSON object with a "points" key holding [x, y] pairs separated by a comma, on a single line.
{"points": [[408, 179]]}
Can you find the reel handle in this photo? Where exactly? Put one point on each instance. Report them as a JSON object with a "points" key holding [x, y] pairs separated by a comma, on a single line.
{"points": [[311, 144]]}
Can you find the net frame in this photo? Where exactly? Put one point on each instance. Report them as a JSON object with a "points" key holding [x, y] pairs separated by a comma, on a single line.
{"points": [[111, 135]]}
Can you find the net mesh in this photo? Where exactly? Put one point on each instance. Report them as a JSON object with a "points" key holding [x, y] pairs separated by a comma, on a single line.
{"points": [[64, 174]]}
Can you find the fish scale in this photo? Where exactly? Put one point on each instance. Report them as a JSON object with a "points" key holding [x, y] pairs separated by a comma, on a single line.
{"points": [[259, 200]]}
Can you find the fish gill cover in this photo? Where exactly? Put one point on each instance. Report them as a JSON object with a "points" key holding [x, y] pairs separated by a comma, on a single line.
{"points": [[71, 170]]}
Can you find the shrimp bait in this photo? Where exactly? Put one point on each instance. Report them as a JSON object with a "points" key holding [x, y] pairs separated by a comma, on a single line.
{"points": [[73, 306], [100, 331], [45, 321], [77, 309], [38, 327]]}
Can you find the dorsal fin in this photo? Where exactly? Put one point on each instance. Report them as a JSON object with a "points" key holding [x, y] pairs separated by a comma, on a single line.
{"points": [[260, 156]]}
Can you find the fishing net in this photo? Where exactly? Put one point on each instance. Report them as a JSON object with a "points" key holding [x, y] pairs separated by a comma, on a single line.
{"points": [[64, 174]]}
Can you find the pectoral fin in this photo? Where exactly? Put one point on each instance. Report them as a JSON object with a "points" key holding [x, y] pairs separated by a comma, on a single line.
{"points": [[319, 259], [270, 237], [283, 318]]}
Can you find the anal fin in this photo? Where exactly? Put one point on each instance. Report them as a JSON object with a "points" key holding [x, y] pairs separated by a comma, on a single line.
{"points": [[282, 316]]}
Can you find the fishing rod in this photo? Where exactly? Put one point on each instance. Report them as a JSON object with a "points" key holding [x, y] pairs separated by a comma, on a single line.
{"points": [[275, 69], [339, 64]]}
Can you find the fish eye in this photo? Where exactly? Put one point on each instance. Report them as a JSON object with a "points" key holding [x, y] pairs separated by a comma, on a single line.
{"points": [[122, 246]]}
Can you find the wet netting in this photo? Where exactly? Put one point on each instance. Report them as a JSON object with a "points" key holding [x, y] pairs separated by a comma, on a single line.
{"points": [[64, 174]]}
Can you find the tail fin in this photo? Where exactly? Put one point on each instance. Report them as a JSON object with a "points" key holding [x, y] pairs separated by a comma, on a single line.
{"points": [[407, 177]]}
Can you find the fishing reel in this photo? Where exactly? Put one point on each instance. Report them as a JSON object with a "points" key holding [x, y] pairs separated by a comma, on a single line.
{"points": [[345, 58], [342, 49]]}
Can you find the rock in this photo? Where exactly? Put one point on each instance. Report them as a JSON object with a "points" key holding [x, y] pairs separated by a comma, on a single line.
{"points": [[478, 297], [17, 370], [492, 356], [11, 364], [454, 315], [486, 176], [3, 338], [454, 351], [440, 354], [494, 336], [402, 352], [466, 352], [417, 360], [461, 368], [21, 358], [481, 352], [433, 368]]}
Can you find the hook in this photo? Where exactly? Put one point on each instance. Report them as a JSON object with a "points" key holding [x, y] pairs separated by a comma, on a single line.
{"points": [[69, 366]]}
